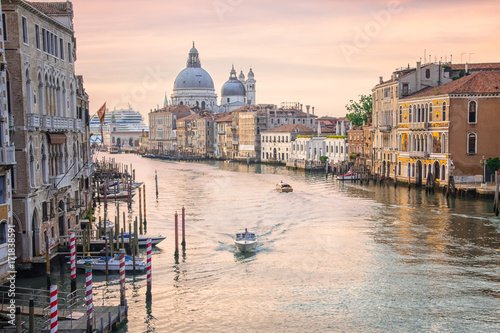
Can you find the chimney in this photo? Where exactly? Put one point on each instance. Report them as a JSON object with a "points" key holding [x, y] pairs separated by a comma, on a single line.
{"points": [[381, 79], [466, 68], [313, 110], [300, 107], [307, 108], [419, 77]]}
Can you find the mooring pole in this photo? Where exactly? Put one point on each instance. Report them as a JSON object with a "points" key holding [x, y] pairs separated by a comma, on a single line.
{"points": [[183, 228], [148, 264], [47, 260], [72, 250], [32, 316], [140, 210], [106, 254], [88, 294], [176, 253], [122, 276], [144, 204], [53, 309], [156, 181]]}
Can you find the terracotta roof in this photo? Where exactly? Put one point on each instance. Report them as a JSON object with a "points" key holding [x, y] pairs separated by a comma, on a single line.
{"points": [[488, 66], [290, 128], [485, 82], [190, 117], [51, 8], [227, 118]]}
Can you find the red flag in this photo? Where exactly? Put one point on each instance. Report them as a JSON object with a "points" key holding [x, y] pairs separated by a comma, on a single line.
{"points": [[101, 112]]}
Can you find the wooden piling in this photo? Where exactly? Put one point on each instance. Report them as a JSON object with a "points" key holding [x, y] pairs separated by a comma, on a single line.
{"points": [[183, 227], [176, 253], [32, 316], [47, 260], [140, 209], [136, 243], [123, 239], [19, 325], [144, 204], [106, 254], [156, 181]]}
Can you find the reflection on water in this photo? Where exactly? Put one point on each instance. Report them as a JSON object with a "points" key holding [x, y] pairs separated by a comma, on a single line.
{"points": [[332, 256]]}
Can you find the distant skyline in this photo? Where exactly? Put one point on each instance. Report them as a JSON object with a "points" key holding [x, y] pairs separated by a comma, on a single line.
{"points": [[320, 53]]}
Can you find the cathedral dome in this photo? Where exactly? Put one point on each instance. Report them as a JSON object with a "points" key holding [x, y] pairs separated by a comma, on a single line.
{"points": [[193, 76], [233, 86]]}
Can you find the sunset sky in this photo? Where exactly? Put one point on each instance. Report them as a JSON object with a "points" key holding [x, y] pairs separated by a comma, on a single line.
{"points": [[317, 52]]}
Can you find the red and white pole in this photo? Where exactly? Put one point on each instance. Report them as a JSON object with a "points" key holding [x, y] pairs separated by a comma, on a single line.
{"points": [[148, 262], [72, 251], [88, 293], [122, 277], [53, 309]]}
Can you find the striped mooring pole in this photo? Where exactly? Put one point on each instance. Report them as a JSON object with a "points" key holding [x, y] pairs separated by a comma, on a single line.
{"points": [[122, 277], [148, 262], [72, 250], [53, 309], [88, 293]]}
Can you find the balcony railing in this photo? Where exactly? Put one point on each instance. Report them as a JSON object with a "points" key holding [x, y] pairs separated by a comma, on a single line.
{"points": [[7, 155], [423, 126], [61, 181], [33, 120], [53, 123], [419, 154]]}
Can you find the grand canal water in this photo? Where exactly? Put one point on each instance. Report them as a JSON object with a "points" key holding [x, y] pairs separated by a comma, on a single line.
{"points": [[332, 257]]}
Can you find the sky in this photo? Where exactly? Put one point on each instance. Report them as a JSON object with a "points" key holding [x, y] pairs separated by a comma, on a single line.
{"points": [[322, 53]]}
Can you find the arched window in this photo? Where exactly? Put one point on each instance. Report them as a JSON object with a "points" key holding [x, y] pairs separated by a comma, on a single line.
{"points": [[399, 169], [400, 114], [444, 111], [443, 172], [426, 113], [430, 112], [473, 112], [471, 144], [414, 119], [418, 114], [32, 167], [28, 92], [45, 179], [427, 73], [409, 114], [40, 98]]}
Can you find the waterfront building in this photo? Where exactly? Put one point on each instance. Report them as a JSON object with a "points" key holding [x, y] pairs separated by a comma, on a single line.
{"points": [[203, 132], [386, 95], [449, 130], [163, 128], [276, 143], [224, 135], [184, 135], [7, 162], [51, 170]]}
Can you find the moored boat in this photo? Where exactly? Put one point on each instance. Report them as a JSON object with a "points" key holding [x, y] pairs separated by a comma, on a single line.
{"points": [[283, 187], [245, 241], [348, 176], [99, 264]]}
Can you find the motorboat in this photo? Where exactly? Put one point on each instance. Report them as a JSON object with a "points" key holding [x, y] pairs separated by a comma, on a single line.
{"points": [[283, 187], [245, 241], [106, 226], [99, 264], [142, 239], [348, 176]]}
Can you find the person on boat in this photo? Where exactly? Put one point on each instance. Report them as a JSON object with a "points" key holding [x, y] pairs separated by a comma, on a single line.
{"points": [[245, 233]]}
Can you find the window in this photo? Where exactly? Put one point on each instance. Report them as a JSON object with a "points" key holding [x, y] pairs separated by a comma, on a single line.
{"points": [[37, 36], [444, 111], [472, 112], [25, 29], [44, 40], [70, 55], [3, 192], [471, 144], [45, 212], [4, 27], [400, 114], [430, 112], [427, 73], [406, 89], [3, 233]]}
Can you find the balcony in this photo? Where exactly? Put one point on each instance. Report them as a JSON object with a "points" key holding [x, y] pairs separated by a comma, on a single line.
{"points": [[419, 154], [423, 126], [55, 124], [33, 121], [385, 128], [61, 181], [7, 155]]}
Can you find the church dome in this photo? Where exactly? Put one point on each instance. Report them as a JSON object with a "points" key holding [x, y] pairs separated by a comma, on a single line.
{"points": [[233, 86], [241, 77], [193, 76]]}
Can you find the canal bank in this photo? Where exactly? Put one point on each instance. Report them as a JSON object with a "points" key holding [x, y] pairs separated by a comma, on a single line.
{"points": [[332, 256]]}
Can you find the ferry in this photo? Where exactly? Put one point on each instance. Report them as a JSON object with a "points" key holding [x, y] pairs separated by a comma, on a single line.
{"points": [[127, 120]]}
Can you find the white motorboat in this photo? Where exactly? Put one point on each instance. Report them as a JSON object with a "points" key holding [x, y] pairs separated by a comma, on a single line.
{"points": [[283, 187], [99, 264], [348, 176], [245, 241], [142, 240]]}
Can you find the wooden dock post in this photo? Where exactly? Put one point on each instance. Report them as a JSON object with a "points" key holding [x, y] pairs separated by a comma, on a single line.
{"points": [[19, 323], [47, 260], [136, 237], [112, 243], [117, 240], [144, 204], [176, 253], [32, 316], [156, 181], [123, 239], [99, 232], [183, 228], [106, 255], [140, 210]]}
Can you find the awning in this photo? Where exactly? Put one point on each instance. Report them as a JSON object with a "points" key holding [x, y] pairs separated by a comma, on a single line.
{"points": [[57, 138]]}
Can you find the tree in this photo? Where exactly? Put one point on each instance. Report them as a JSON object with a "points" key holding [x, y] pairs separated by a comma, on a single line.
{"points": [[493, 164], [359, 111]]}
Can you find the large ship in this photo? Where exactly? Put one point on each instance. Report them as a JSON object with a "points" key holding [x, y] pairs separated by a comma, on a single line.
{"points": [[127, 120]]}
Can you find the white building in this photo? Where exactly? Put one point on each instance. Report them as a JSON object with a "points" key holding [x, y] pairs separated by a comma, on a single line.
{"points": [[276, 143]]}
